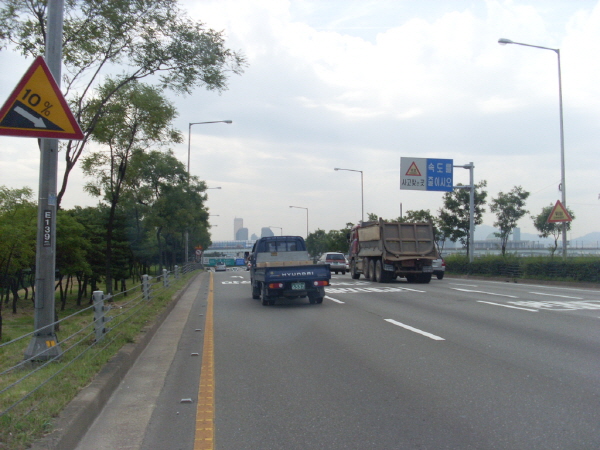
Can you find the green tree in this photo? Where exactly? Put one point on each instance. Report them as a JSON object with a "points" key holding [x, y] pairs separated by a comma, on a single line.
{"points": [[320, 241], [454, 215], [93, 219], [167, 201], [136, 118], [18, 229], [316, 243], [144, 38], [71, 252], [549, 229], [509, 208]]}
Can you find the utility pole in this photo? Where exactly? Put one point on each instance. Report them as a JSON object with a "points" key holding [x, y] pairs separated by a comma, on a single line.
{"points": [[44, 344]]}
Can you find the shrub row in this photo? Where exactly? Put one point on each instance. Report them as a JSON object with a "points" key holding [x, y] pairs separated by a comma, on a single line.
{"points": [[584, 268]]}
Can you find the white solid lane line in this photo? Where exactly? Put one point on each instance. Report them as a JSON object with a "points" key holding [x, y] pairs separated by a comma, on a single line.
{"points": [[483, 292], [334, 299], [507, 306], [415, 330], [555, 295]]}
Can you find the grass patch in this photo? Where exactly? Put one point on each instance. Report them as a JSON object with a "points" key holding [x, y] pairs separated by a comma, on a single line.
{"points": [[50, 386]]}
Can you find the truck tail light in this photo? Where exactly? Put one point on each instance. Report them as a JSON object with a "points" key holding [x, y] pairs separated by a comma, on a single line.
{"points": [[276, 286], [321, 283]]}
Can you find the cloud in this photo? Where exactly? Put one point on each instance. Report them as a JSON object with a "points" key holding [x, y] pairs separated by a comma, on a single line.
{"points": [[359, 84]]}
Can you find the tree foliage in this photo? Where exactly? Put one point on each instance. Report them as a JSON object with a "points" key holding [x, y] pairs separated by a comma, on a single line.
{"points": [[135, 119], [454, 215], [167, 202], [509, 208], [18, 227], [145, 39], [320, 241]]}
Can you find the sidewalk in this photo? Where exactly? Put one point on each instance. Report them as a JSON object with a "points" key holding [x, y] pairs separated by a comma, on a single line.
{"points": [[137, 371]]}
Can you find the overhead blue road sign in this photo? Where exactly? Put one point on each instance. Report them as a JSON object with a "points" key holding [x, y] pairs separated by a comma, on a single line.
{"points": [[426, 174]]}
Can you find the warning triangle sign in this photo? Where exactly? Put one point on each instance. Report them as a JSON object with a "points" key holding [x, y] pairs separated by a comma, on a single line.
{"points": [[413, 170], [559, 214], [37, 108]]}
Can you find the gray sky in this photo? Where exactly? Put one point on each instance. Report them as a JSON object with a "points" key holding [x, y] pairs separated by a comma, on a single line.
{"points": [[360, 84]]}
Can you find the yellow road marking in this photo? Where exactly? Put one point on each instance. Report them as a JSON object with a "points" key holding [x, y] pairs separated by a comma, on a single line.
{"points": [[205, 413]]}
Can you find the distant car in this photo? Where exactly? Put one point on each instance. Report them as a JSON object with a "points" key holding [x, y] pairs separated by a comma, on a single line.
{"points": [[336, 261], [220, 267], [439, 268]]}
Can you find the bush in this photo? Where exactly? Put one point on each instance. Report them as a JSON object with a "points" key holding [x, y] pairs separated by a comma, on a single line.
{"points": [[582, 268]]}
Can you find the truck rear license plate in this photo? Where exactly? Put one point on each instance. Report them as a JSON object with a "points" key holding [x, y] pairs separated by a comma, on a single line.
{"points": [[427, 269], [297, 286]]}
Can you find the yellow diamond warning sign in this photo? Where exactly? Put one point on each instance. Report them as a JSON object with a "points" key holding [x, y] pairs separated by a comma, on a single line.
{"points": [[37, 108], [559, 214]]}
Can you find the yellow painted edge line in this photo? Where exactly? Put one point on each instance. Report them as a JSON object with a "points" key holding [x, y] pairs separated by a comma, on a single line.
{"points": [[205, 412]]}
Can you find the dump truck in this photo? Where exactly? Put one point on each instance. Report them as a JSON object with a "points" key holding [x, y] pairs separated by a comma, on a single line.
{"points": [[383, 251]]}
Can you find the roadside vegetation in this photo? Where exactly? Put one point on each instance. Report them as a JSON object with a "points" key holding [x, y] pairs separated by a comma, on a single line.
{"points": [[31, 419], [512, 267]]}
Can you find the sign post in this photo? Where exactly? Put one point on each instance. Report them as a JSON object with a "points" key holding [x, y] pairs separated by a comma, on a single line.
{"points": [[30, 110]]}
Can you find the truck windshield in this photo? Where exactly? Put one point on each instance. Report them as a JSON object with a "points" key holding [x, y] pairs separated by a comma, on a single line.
{"points": [[284, 245]]}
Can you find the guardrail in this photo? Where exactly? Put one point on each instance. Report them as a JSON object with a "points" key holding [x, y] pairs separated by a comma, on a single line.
{"points": [[93, 329]]}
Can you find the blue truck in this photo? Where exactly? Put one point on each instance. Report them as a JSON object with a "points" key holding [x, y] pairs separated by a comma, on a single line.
{"points": [[280, 268]]}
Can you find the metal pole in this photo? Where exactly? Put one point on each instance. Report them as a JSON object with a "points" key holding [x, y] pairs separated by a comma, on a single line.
{"points": [[302, 207], [307, 223], [563, 188], [44, 343], [362, 190], [471, 187], [187, 233], [471, 213], [362, 197]]}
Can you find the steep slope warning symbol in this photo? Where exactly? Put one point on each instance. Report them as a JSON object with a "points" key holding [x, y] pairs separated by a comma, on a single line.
{"points": [[37, 108]]}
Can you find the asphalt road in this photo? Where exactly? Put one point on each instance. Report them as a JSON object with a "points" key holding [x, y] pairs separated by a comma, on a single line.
{"points": [[453, 364]]}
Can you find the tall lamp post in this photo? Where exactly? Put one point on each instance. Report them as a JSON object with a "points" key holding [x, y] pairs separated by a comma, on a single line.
{"points": [[362, 192], [187, 233], [302, 207], [563, 189]]}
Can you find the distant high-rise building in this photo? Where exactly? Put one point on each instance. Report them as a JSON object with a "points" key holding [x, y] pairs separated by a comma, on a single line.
{"points": [[266, 232], [254, 237], [238, 223], [242, 234]]}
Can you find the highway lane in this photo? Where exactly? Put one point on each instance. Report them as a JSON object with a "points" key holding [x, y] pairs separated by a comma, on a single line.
{"points": [[450, 364], [453, 364]]}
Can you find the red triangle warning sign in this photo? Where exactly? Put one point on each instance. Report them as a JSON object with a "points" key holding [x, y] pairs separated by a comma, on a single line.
{"points": [[413, 171], [37, 108], [559, 214]]}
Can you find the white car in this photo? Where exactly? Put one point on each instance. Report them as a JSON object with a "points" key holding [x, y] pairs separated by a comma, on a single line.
{"points": [[336, 261], [220, 267], [439, 268]]}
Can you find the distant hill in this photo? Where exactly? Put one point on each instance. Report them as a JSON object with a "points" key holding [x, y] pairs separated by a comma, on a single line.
{"points": [[593, 237], [483, 232]]}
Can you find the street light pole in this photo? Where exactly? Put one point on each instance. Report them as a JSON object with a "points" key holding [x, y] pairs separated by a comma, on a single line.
{"points": [[362, 191], [563, 188], [301, 207], [187, 233], [280, 229]]}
